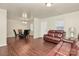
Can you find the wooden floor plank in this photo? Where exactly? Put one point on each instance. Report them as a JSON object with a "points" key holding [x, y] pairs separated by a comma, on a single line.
{"points": [[30, 47]]}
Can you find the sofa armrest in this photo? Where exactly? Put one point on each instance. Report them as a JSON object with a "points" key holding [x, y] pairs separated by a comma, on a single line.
{"points": [[55, 49], [68, 41], [45, 34], [64, 50]]}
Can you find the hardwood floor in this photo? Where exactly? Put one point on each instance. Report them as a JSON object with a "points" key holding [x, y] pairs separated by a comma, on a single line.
{"points": [[4, 51], [31, 47]]}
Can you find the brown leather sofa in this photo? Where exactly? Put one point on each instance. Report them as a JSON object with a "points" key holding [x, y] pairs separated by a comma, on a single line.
{"points": [[76, 47], [62, 49], [65, 48], [54, 36], [55, 50]]}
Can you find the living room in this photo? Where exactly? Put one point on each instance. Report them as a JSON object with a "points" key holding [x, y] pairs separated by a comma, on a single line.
{"points": [[40, 18]]}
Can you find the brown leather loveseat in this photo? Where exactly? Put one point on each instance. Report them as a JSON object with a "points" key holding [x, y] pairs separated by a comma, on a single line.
{"points": [[54, 36], [62, 49]]}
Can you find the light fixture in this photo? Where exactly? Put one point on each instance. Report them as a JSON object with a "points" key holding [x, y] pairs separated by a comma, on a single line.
{"points": [[24, 22], [24, 15], [48, 4]]}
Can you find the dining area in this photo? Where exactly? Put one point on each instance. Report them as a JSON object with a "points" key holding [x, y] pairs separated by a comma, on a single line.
{"points": [[22, 34]]}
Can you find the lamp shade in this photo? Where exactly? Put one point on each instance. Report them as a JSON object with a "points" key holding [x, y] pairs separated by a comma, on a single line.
{"points": [[72, 31]]}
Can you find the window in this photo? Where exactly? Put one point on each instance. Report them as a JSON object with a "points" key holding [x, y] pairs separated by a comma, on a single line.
{"points": [[60, 25]]}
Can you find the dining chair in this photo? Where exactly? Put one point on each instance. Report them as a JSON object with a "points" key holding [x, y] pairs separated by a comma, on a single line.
{"points": [[15, 33], [26, 34]]}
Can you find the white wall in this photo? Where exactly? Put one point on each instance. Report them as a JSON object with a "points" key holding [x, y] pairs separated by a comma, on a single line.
{"points": [[3, 27], [36, 27], [32, 28], [43, 28], [70, 20], [15, 24], [40, 27]]}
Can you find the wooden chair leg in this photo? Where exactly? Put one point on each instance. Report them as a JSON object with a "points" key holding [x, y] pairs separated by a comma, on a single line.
{"points": [[15, 37], [28, 37]]}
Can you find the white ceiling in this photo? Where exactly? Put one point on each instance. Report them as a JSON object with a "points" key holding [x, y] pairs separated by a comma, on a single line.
{"points": [[39, 10]]}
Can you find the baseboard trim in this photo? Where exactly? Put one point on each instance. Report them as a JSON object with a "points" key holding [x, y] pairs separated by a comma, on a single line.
{"points": [[10, 37], [38, 38], [3, 45]]}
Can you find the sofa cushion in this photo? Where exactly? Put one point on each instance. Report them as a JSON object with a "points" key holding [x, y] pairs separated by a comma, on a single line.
{"points": [[51, 31], [73, 51], [54, 38], [51, 34], [77, 45], [58, 35], [77, 53]]}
